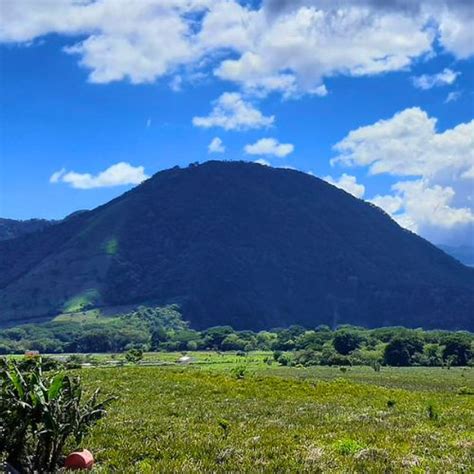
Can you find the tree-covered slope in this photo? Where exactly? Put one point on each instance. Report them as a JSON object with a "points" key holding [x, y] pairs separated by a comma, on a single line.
{"points": [[463, 253], [11, 228], [240, 244]]}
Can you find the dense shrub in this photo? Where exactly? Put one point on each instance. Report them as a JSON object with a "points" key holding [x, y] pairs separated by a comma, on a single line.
{"points": [[134, 356], [284, 358], [307, 358]]}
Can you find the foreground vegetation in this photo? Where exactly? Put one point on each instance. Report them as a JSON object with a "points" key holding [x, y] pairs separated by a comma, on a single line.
{"points": [[39, 414], [163, 329], [194, 419], [228, 412]]}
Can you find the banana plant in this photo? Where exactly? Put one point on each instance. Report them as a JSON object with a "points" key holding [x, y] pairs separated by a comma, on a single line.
{"points": [[39, 413]]}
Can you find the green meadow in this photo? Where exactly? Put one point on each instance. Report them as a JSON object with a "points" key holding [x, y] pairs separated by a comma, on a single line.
{"points": [[227, 413]]}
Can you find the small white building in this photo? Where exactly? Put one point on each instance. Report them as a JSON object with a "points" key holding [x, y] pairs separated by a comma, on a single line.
{"points": [[185, 360]]}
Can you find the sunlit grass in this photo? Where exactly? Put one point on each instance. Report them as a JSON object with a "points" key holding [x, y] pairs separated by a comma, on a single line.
{"points": [[80, 302], [201, 418], [111, 246]]}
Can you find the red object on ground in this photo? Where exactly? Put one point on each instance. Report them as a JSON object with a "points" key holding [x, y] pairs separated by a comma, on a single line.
{"points": [[79, 460]]}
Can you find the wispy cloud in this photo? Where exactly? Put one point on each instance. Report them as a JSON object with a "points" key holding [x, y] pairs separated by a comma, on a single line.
{"points": [[453, 96], [57, 175], [443, 78]]}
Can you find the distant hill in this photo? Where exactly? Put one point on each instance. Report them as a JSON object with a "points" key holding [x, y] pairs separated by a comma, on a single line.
{"points": [[241, 244], [11, 228], [463, 253]]}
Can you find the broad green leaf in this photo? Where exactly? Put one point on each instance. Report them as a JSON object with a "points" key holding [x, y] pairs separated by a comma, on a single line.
{"points": [[55, 387]]}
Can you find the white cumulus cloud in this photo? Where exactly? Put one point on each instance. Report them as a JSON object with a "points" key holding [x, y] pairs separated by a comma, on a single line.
{"points": [[389, 203], [232, 112], [439, 197], [119, 174], [216, 146], [424, 206], [289, 47], [408, 144], [348, 183], [270, 147], [294, 51], [454, 20]]}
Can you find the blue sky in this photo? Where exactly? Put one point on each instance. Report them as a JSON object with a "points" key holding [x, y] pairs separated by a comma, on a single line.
{"points": [[279, 82]]}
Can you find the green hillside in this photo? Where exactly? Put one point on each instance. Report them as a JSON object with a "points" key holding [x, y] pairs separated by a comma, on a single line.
{"points": [[240, 244]]}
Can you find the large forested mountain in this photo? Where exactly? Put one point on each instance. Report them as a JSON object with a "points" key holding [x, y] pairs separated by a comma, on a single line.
{"points": [[463, 253], [240, 244]]}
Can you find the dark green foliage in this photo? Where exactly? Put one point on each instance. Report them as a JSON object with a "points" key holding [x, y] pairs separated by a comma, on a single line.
{"points": [[224, 425], [433, 412], [287, 338], [401, 349], [346, 341], [237, 244], [134, 355], [314, 339], [284, 358], [457, 348], [396, 353], [239, 371], [330, 357], [291, 346], [432, 355], [94, 340], [216, 335], [233, 342], [307, 357], [117, 334], [39, 413]]}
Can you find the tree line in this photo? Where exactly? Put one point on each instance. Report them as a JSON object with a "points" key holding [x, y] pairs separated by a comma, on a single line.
{"points": [[163, 329]]}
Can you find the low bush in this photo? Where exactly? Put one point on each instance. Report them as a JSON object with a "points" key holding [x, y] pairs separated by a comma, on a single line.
{"points": [[348, 447]]}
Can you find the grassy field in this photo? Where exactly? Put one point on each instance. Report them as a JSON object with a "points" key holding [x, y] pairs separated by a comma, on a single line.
{"points": [[204, 418]]}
